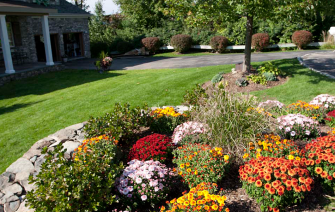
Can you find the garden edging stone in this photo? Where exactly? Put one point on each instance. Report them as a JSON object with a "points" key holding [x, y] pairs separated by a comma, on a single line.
{"points": [[14, 182]]}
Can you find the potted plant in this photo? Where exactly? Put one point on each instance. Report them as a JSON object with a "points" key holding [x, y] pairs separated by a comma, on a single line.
{"points": [[104, 62], [64, 57]]}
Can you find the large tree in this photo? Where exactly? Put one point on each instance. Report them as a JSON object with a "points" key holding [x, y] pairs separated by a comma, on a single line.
{"points": [[203, 12]]}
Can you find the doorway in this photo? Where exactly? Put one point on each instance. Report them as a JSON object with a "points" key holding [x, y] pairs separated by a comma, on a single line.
{"points": [[73, 44], [39, 42]]}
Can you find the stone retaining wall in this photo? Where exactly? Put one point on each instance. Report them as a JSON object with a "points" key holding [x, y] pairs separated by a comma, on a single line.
{"points": [[21, 75], [14, 182]]}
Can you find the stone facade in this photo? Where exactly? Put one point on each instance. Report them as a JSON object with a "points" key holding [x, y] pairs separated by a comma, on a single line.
{"points": [[30, 26]]}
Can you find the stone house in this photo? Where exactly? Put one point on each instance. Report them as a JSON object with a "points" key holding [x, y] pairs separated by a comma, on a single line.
{"points": [[33, 33]]}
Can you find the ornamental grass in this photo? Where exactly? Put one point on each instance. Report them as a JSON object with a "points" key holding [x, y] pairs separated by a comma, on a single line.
{"points": [[275, 182], [200, 198], [197, 163]]}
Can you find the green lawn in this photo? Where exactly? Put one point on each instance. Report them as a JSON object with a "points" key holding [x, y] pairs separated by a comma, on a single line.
{"points": [[34, 108]]}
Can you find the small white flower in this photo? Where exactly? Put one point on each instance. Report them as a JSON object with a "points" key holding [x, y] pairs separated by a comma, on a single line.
{"points": [[144, 197], [292, 133], [308, 132], [138, 180]]}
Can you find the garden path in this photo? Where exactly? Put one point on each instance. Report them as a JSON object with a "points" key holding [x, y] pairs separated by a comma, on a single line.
{"points": [[321, 61], [137, 63]]}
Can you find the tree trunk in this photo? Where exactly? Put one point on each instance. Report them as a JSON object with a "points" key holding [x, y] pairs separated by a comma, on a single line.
{"points": [[247, 51]]}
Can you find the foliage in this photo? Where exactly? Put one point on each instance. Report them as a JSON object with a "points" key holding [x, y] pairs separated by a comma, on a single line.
{"points": [[124, 46], [194, 139], [271, 68], [152, 147], [181, 43], [219, 43], [217, 78], [195, 96], [242, 127], [144, 183], [330, 119], [275, 182], [166, 120], [260, 41], [269, 76], [187, 129], [200, 36], [198, 163], [234, 30], [328, 45], [151, 43], [86, 184], [297, 126], [120, 123], [325, 100], [242, 82], [202, 197], [320, 159], [271, 145], [104, 62], [302, 38], [258, 79]]}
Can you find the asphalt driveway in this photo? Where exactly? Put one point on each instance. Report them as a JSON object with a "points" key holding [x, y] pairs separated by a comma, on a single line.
{"points": [[321, 61], [136, 63]]}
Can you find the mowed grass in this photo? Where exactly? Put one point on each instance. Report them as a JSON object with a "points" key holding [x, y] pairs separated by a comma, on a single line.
{"points": [[34, 108]]}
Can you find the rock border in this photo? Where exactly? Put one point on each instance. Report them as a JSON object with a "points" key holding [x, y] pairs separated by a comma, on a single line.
{"points": [[301, 61], [14, 181]]}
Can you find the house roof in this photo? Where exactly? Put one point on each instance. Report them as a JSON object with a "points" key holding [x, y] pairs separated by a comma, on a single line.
{"points": [[19, 8]]}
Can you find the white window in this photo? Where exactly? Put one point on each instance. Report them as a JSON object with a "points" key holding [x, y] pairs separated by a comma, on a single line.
{"points": [[10, 35]]}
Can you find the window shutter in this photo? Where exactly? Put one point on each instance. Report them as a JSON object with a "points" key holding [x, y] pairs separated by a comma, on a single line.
{"points": [[17, 33]]}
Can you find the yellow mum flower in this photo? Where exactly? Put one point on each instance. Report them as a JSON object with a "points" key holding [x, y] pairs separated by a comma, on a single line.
{"points": [[226, 157]]}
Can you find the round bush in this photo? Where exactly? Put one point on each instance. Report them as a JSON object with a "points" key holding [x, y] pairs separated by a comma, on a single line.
{"points": [[219, 43], [260, 41], [152, 147], [302, 38], [181, 43], [151, 43]]}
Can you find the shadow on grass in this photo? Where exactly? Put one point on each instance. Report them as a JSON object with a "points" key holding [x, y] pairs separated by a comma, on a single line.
{"points": [[292, 68], [15, 107], [51, 82]]}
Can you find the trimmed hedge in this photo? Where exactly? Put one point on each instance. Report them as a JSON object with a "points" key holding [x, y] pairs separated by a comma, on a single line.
{"points": [[151, 43], [181, 43], [260, 41], [219, 43], [302, 38]]}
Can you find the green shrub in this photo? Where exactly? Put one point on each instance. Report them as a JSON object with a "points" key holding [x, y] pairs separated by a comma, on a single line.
{"points": [[169, 28], [200, 36], [269, 67], [181, 43], [258, 79], [270, 76], [231, 123], [260, 41], [121, 123], [219, 43], [124, 46], [217, 78], [242, 82], [328, 45], [302, 38], [86, 184], [194, 96], [151, 43]]}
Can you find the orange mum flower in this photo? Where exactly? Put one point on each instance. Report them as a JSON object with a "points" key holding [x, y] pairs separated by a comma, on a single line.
{"points": [[259, 183], [318, 170]]}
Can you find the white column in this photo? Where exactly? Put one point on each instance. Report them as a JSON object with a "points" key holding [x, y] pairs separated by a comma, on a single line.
{"points": [[5, 46], [47, 42]]}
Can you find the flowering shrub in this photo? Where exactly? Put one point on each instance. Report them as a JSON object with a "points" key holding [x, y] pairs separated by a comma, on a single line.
{"points": [[330, 119], [152, 147], [200, 163], [270, 104], [271, 145], [144, 182], [104, 63], [313, 111], [259, 110], [188, 128], [325, 100], [166, 120], [275, 182], [297, 126], [85, 184], [219, 43], [260, 41], [320, 155], [302, 38], [200, 198]]}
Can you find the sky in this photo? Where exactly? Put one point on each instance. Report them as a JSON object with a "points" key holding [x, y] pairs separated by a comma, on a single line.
{"points": [[108, 5]]}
